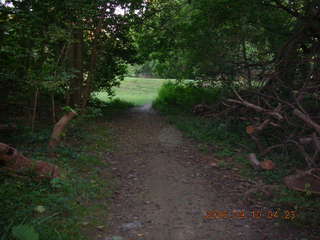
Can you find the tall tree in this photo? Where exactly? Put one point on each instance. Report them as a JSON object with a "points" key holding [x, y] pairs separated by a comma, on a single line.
{"points": [[66, 48]]}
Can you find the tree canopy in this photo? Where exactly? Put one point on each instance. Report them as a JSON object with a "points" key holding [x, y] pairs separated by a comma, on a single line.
{"points": [[205, 39], [66, 48]]}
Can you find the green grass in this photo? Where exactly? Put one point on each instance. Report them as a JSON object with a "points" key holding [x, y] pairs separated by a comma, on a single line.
{"points": [[138, 91], [71, 206]]}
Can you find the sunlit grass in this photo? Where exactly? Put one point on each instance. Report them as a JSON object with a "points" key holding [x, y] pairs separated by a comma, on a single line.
{"points": [[138, 91]]}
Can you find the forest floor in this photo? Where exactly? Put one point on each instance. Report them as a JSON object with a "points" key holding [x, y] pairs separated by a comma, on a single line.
{"points": [[166, 186]]}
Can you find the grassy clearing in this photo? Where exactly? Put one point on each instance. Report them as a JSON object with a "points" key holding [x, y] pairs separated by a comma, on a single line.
{"points": [[225, 138], [138, 91], [74, 206]]}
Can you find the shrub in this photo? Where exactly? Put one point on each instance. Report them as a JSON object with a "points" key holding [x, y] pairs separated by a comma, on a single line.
{"points": [[185, 96], [98, 108]]}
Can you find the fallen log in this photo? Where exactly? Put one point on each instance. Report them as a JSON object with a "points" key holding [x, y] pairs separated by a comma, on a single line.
{"points": [[12, 160], [59, 127]]}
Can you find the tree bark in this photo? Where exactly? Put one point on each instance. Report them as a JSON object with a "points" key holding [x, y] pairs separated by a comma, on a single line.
{"points": [[12, 160]]}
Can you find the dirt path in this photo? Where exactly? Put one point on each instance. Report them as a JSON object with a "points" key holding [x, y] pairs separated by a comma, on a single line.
{"points": [[167, 186]]}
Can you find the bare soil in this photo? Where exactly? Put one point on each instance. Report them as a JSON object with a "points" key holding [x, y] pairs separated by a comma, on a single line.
{"points": [[166, 187]]}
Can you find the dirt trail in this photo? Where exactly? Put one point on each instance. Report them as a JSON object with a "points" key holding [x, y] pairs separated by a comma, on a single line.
{"points": [[166, 187]]}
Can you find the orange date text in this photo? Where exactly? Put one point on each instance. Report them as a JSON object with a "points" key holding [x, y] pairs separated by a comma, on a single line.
{"points": [[253, 214]]}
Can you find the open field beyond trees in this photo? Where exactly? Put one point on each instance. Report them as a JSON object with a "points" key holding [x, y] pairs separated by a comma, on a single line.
{"points": [[138, 91]]}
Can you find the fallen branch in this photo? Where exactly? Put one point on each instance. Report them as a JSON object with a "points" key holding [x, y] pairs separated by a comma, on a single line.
{"points": [[59, 127], [306, 118], [12, 160], [257, 108]]}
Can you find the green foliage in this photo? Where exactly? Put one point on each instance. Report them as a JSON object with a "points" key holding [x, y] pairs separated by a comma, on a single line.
{"points": [[222, 135], [148, 69], [68, 109], [185, 96], [207, 40], [98, 108], [25, 232], [43, 50], [56, 209]]}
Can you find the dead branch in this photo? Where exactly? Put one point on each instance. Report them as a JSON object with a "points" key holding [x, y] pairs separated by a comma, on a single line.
{"points": [[269, 149], [257, 108], [263, 125], [306, 118]]}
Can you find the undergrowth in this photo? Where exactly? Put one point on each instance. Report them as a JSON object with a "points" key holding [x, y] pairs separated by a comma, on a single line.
{"points": [[62, 208], [227, 138], [174, 95]]}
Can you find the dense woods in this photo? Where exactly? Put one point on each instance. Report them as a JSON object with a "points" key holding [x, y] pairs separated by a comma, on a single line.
{"points": [[63, 51], [265, 52]]}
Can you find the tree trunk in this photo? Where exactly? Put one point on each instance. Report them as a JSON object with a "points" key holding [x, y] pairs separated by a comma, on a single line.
{"points": [[12, 160], [93, 62], [59, 127], [34, 112], [245, 58], [75, 61]]}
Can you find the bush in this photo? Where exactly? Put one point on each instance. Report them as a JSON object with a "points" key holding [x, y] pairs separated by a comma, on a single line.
{"points": [[98, 108], [185, 96]]}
